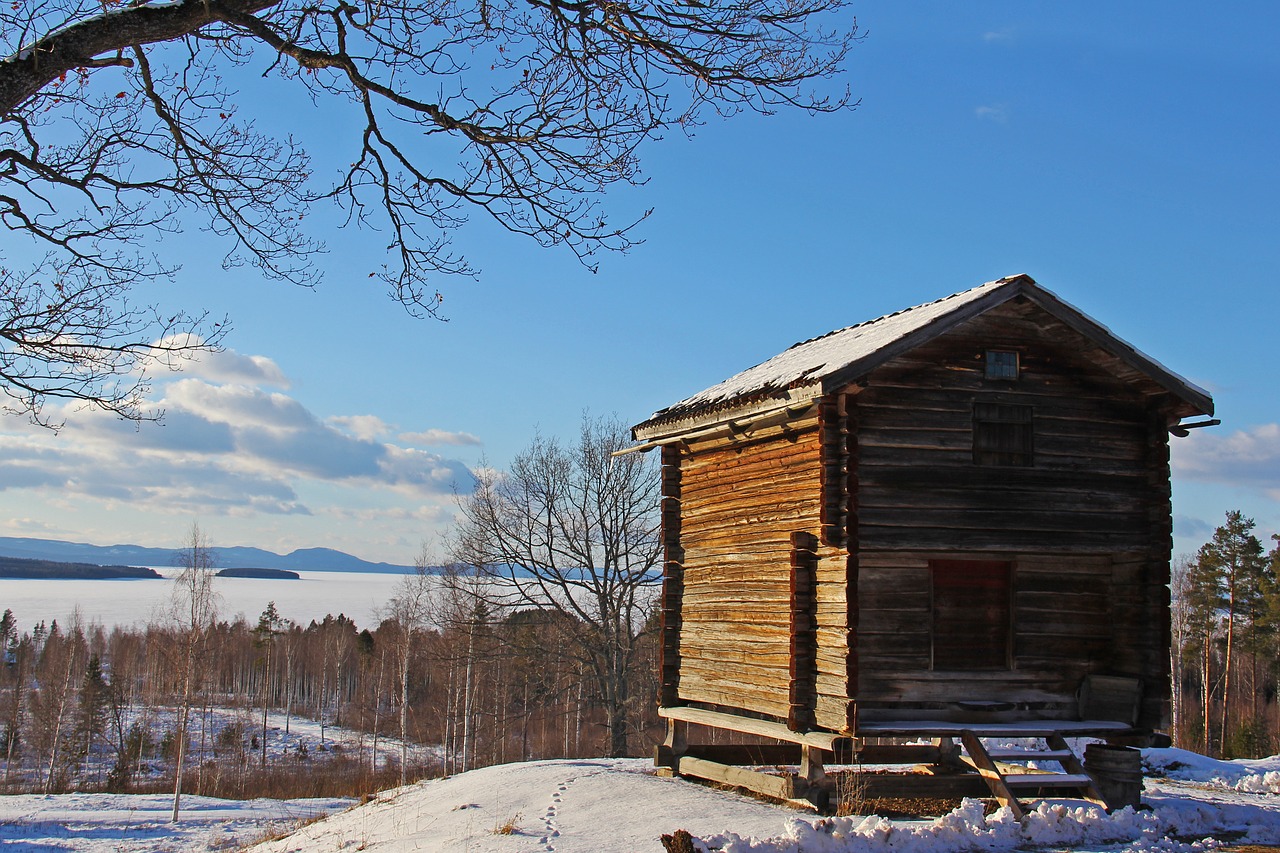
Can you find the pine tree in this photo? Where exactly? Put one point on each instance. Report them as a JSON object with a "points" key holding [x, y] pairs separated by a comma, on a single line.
{"points": [[1204, 601], [268, 628], [1235, 556]]}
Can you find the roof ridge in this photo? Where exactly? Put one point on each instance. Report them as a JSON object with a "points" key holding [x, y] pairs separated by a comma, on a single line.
{"points": [[901, 311]]}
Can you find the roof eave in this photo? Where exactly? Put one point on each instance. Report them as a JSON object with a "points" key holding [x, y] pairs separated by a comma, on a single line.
{"points": [[660, 429], [1179, 387]]}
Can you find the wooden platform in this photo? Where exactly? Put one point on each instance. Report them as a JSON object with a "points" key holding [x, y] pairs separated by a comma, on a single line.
{"points": [[954, 762], [1021, 728]]}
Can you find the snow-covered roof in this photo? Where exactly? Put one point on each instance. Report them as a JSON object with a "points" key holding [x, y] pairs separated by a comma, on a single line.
{"points": [[820, 365]]}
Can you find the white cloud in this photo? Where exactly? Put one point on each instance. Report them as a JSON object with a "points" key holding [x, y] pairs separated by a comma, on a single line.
{"points": [[362, 426], [1004, 34], [1249, 458], [426, 514], [238, 405], [436, 437], [229, 448], [226, 365], [993, 112], [230, 366]]}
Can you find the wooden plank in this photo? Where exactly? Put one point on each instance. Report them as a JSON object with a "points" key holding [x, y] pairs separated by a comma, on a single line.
{"points": [[748, 725], [1039, 728], [1046, 780], [771, 786], [1029, 754], [990, 774], [898, 754]]}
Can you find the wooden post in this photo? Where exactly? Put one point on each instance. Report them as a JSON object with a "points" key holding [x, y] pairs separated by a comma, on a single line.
{"points": [[949, 754], [814, 776], [667, 755], [804, 631]]}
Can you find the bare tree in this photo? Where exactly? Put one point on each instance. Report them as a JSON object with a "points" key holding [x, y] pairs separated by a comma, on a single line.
{"points": [[120, 120], [193, 609], [1180, 634], [574, 533], [410, 609]]}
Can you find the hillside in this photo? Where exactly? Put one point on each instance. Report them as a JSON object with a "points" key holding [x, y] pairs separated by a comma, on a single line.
{"points": [[303, 559], [591, 806], [620, 806]]}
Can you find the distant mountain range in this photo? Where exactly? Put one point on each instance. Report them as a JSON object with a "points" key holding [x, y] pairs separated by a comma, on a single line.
{"points": [[304, 559]]}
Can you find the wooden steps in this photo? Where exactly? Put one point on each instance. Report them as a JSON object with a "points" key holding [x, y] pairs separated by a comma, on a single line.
{"points": [[1029, 754], [1004, 774]]}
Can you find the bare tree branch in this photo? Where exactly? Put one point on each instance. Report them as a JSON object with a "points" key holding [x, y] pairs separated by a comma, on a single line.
{"points": [[120, 120]]}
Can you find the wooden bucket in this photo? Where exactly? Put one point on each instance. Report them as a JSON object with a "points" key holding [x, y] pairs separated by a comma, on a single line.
{"points": [[1117, 772]]}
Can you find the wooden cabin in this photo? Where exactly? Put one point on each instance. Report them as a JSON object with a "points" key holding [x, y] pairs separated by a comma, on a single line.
{"points": [[951, 522]]}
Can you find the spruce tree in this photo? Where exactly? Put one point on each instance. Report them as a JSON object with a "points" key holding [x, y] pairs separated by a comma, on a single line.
{"points": [[91, 714]]}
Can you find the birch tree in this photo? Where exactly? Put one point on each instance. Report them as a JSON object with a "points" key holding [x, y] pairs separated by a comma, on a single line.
{"points": [[193, 609], [410, 609]]}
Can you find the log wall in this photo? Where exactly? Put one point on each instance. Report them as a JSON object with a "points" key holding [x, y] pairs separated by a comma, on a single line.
{"points": [[1086, 525], [740, 504]]}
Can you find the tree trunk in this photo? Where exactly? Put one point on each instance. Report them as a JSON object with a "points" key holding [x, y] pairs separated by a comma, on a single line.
{"points": [[404, 709], [1226, 676]]}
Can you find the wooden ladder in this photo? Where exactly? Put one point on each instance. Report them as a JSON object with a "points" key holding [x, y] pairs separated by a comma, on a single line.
{"points": [[1000, 770]]}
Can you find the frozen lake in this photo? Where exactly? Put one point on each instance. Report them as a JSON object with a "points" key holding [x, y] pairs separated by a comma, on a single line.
{"points": [[137, 602]]}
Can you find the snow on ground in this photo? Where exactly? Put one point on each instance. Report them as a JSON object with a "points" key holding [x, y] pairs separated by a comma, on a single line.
{"points": [[1261, 775], [620, 805], [601, 805], [292, 737], [139, 823]]}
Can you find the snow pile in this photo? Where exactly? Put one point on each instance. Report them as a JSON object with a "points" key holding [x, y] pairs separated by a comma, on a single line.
{"points": [[1259, 776], [1051, 823]]}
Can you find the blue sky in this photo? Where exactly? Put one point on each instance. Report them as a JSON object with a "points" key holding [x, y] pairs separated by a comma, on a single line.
{"points": [[1124, 155]]}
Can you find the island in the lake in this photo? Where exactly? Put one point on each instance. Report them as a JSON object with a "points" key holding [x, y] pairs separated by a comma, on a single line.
{"points": [[261, 574], [17, 567]]}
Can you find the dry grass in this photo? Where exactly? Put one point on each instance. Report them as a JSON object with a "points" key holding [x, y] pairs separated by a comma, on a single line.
{"points": [[337, 776], [277, 834], [509, 826]]}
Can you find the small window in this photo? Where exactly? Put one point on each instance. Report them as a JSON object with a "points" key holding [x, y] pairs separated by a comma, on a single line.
{"points": [[1002, 435], [1002, 364], [971, 627]]}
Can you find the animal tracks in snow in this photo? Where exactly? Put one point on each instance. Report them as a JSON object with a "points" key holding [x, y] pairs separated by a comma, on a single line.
{"points": [[550, 818]]}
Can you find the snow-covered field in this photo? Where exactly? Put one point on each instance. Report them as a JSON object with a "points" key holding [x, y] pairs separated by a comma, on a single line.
{"points": [[302, 741], [590, 806], [139, 823]]}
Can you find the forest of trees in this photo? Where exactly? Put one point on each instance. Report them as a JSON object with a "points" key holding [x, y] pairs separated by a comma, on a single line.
{"points": [[85, 707], [1225, 654], [89, 707], [539, 641]]}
